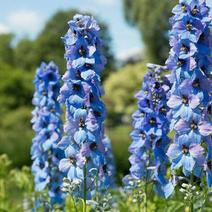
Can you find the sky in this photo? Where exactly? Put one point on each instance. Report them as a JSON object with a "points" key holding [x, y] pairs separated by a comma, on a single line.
{"points": [[25, 18]]}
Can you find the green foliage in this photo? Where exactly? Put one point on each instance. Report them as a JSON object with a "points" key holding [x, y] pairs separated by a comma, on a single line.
{"points": [[16, 88], [120, 89], [151, 17], [16, 135], [6, 50], [120, 138], [16, 187], [17, 195]]}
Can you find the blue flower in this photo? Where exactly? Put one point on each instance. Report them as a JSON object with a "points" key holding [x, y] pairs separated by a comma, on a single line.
{"points": [[149, 136], [47, 124], [190, 96], [185, 153], [183, 104], [85, 112]]}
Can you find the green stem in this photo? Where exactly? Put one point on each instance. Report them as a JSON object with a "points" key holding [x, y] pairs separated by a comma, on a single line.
{"points": [[75, 207], [84, 189], [139, 206], [97, 188], [145, 203], [191, 201]]}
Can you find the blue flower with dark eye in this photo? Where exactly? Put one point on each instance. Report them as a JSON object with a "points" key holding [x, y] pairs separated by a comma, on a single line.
{"points": [[183, 104], [85, 112], [149, 136], [185, 153], [190, 96], [47, 125]]}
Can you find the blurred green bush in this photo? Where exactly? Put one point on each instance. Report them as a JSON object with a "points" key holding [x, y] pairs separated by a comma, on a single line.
{"points": [[120, 88]]}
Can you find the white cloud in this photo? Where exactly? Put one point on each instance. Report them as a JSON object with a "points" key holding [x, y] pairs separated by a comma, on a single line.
{"points": [[24, 21], [4, 29], [105, 2]]}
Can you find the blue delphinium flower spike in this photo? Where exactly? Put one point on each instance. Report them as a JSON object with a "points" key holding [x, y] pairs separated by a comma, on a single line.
{"points": [[150, 128], [85, 160], [191, 65], [47, 125]]}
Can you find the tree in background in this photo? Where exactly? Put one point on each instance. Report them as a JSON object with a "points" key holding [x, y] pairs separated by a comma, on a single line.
{"points": [[6, 50], [15, 112], [151, 17], [28, 54]]}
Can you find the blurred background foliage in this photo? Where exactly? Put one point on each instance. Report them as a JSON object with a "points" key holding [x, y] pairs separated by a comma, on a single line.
{"points": [[151, 18], [18, 63]]}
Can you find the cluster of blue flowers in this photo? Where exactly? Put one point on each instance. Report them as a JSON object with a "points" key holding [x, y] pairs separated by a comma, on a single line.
{"points": [[47, 126], [85, 156], [150, 123], [191, 65]]}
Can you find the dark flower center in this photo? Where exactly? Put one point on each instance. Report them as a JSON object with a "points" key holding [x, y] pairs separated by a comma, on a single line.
{"points": [[195, 11], [41, 165], [142, 114], [51, 77], [93, 146], [152, 136], [79, 23], [202, 37], [180, 62], [185, 100], [91, 97], [88, 65], [183, 7], [194, 125], [163, 110], [185, 149], [76, 87], [52, 110], [142, 135], [104, 168], [78, 74], [157, 85], [209, 164], [72, 160], [148, 102], [188, 26], [81, 123], [97, 113], [44, 93], [184, 48], [57, 189], [152, 121], [196, 83], [82, 51], [209, 109], [159, 142]]}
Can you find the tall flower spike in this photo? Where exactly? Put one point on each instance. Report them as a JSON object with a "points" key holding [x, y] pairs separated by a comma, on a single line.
{"points": [[84, 160], [48, 131], [149, 136], [190, 63]]}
